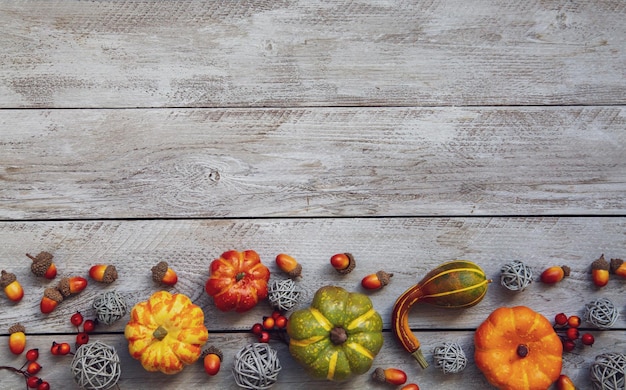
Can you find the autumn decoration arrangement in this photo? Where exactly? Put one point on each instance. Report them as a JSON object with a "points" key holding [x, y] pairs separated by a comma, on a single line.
{"points": [[336, 337]]}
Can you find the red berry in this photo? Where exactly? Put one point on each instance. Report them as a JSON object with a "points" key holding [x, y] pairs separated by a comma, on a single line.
{"points": [[212, 363], [82, 338], [281, 322], [257, 329], [573, 321], [89, 326], [55, 348], [43, 386], [264, 337], [568, 345], [76, 319], [268, 323], [32, 354], [560, 319], [33, 367], [276, 314], [572, 333], [33, 381], [61, 348], [587, 339]]}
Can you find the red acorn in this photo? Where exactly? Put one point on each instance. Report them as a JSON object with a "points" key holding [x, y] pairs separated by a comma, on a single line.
{"points": [[212, 360], [72, 285], [343, 263], [42, 265], [376, 281], [554, 274], [161, 273], [288, 265], [392, 376], [50, 300], [103, 273]]}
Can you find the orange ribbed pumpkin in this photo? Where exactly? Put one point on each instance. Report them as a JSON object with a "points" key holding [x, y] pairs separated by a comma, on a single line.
{"points": [[517, 348]]}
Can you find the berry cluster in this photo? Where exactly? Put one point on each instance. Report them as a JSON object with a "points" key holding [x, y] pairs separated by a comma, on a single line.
{"points": [[30, 369], [276, 322], [82, 337], [570, 326]]}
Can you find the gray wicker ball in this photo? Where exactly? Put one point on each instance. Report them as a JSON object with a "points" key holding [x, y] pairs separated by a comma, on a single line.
{"points": [[110, 307], [450, 357], [96, 366], [601, 313], [607, 371], [283, 294], [256, 367], [516, 276]]}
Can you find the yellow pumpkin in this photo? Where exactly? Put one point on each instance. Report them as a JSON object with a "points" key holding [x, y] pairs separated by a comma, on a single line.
{"points": [[517, 348], [166, 332]]}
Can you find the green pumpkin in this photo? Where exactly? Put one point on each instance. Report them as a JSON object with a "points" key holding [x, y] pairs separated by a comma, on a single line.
{"points": [[338, 336]]}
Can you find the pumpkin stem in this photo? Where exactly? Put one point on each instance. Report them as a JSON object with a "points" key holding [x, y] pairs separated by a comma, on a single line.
{"points": [[159, 333], [522, 350], [338, 335], [240, 276]]}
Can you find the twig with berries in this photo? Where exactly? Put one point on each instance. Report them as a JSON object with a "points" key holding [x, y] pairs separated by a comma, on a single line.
{"points": [[276, 324], [569, 325], [29, 370]]}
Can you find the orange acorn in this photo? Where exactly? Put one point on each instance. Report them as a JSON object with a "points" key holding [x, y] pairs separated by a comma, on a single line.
{"points": [[392, 376], [410, 386], [565, 383], [376, 281], [554, 274], [289, 265], [103, 273], [212, 360], [343, 263], [161, 273], [72, 285], [17, 339], [600, 271], [618, 267], [42, 265], [51, 298], [12, 288]]}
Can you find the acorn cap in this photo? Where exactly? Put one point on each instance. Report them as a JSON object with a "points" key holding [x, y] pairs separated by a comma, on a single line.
{"points": [[159, 270], [6, 278], [64, 287], [600, 263], [295, 272], [378, 375], [351, 265], [384, 278], [41, 263], [212, 350], [17, 328], [615, 264], [110, 274], [566, 270], [53, 293]]}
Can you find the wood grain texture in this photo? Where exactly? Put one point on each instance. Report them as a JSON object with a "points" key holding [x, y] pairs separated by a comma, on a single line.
{"points": [[312, 162], [408, 247], [68, 53]]}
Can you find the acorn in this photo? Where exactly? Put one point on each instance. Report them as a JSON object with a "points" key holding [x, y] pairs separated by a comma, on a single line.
{"points": [[42, 265], [103, 273], [212, 359], [72, 285], [17, 339], [289, 265], [51, 298], [12, 288], [376, 281], [600, 271], [343, 263], [161, 273], [392, 376], [618, 267], [555, 274]]}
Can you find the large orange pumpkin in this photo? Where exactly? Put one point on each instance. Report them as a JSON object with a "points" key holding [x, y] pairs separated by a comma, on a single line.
{"points": [[517, 348]]}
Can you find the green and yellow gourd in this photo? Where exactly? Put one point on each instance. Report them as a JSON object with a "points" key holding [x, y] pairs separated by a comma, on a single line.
{"points": [[338, 336], [455, 284]]}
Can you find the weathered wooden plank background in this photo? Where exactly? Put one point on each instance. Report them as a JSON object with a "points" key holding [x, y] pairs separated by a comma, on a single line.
{"points": [[408, 133]]}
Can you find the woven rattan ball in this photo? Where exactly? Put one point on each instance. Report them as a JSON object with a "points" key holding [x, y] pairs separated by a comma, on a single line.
{"points": [[256, 366], [607, 371], [110, 307], [601, 313], [516, 276], [450, 357], [283, 294], [96, 366]]}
